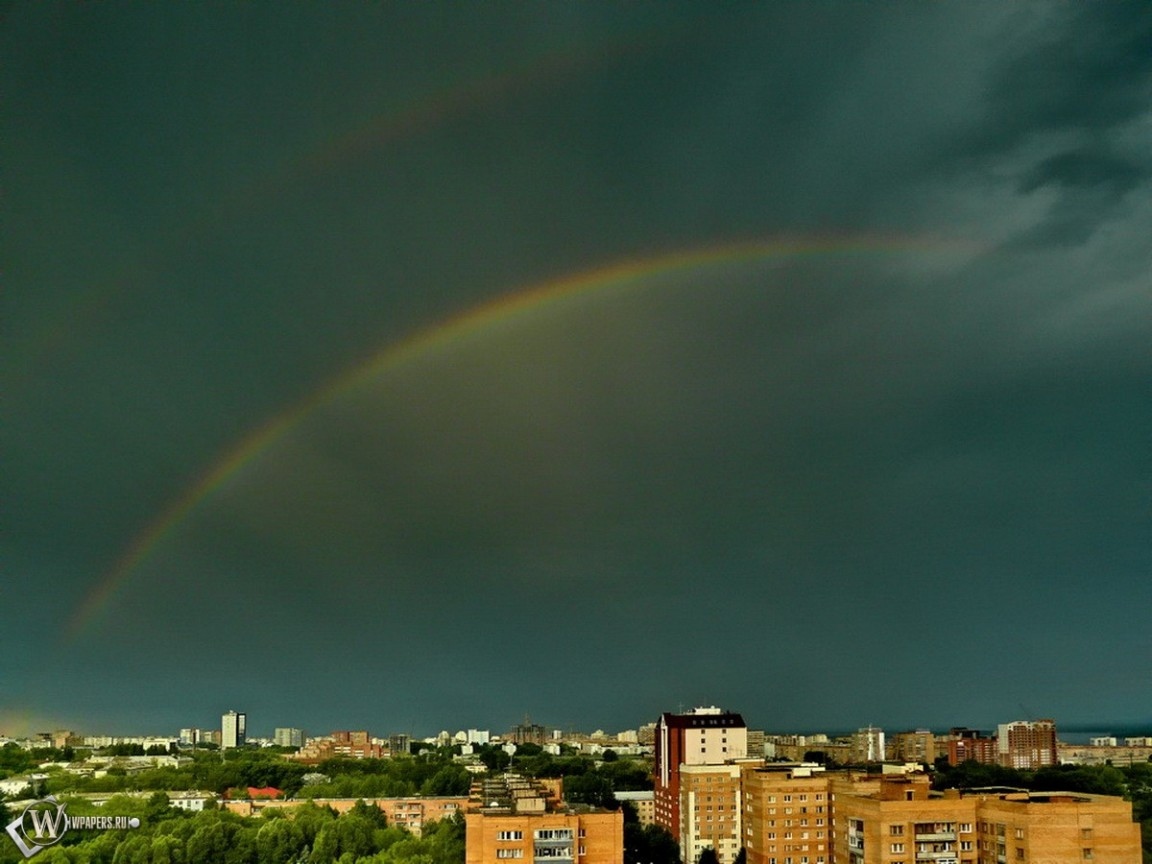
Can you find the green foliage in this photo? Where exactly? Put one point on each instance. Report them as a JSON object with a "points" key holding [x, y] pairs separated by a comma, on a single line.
{"points": [[649, 844], [974, 775], [1098, 779], [300, 834], [591, 788], [14, 759]]}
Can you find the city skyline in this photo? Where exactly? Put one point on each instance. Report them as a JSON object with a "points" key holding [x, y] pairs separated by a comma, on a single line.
{"points": [[382, 364], [266, 730]]}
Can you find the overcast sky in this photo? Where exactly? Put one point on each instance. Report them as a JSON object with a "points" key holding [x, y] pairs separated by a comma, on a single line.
{"points": [[420, 366]]}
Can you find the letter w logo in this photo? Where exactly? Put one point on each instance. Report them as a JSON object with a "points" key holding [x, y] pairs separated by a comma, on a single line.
{"points": [[47, 825]]}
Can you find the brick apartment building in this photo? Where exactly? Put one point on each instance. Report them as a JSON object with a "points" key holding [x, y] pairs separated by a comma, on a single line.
{"points": [[703, 736]]}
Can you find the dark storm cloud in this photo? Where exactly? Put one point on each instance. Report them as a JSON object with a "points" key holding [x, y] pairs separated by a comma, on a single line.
{"points": [[856, 471]]}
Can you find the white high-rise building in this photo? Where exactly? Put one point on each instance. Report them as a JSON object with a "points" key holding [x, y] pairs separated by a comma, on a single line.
{"points": [[233, 730]]}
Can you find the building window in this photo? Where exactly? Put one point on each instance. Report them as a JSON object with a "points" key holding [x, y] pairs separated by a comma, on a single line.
{"points": [[897, 847], [1087, 853], [552, 834], [510, 835], [896, 830]]}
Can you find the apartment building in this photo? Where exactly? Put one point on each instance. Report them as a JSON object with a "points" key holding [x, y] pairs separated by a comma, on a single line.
{"points": [[900, 823], [545, 838], [703, 736], [710, 812], [970, 744], [1026, 744], [916, 746], [787, 813], [1041, 827], [512, 819]]}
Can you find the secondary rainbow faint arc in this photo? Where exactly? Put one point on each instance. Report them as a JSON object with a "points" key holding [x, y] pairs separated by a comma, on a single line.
{"points": [[396, 354]]}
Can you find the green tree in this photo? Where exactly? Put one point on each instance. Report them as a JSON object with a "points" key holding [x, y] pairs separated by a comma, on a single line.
{"points": [[325, 846], [279, 841], [708, 856], [591, 788], [649, 844]]}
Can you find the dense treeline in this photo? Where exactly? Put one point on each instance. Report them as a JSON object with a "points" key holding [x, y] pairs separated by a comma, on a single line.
{"points": [[306, 833], [429, 774]]}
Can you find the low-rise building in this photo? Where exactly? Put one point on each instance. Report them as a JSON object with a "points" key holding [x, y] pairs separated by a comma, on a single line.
{"points": [[514, 819], [898, 821]]}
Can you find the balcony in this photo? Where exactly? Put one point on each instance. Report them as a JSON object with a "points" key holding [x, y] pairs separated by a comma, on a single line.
{"points": [[855, 842], [936, 855], [552, 854], [935, 835]]}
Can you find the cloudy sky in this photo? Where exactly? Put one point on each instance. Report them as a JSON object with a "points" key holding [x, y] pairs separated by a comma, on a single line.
{"points": [[419, 366]]}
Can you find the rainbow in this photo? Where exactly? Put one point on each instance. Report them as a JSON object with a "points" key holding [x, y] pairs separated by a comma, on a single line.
{"points": [[421, 342]]}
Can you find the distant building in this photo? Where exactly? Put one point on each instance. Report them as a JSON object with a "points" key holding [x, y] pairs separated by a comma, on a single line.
{"points": [[233, 730], [970, 745], [193, 802], [1026, 744], [399, 745], [1103, 741], [868, 745], [702, 736], [918, 746], [528, 733], [288, 737]]}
